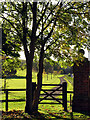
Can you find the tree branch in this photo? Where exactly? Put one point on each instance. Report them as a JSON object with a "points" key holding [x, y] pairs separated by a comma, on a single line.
{"points": [[31, 6], [49, 34], [12, 25], [24, 23], [34, 11], [72, 7], [45, 27], [47, 19], [42, 14], [53, 42], [15, 7], [14, 18]]}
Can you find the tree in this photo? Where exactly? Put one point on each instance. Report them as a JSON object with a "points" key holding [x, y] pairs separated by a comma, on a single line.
{"points": [[24, 15], [9, 67], [61, 35], [20, 15], [76, 35], [38, 26], [10, 61], [48, 68], [10, 42]]}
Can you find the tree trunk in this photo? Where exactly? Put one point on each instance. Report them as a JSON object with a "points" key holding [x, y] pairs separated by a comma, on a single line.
{"points": [[29, 62], [39, 81], [29, 54], [28, 108]]}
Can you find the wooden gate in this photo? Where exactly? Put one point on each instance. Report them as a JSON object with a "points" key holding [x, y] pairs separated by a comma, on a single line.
{"points": [[48, 94], [56, 95]]}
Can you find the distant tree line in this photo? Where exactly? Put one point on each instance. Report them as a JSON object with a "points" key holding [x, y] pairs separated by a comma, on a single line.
{"points": [[49, 68]]}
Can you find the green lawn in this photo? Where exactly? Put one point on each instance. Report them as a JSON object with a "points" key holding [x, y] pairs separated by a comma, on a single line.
{"points": [[20, 83], [47, 111]]}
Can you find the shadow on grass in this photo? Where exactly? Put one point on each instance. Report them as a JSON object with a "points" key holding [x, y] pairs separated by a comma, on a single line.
{"points": [[16, 77], [59, 117], [20, 115], [85, 113]]}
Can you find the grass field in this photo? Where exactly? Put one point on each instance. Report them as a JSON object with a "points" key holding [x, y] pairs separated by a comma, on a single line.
{"points": [[19, 82], [48, 111]]}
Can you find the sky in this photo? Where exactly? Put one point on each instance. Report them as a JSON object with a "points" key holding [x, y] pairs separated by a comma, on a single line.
{"points": [[87, 55]]}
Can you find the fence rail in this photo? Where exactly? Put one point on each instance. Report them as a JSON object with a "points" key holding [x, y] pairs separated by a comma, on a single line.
{"points": [[64, 95]]}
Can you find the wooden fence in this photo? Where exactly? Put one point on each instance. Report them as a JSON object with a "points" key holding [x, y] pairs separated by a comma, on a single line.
{"points": [[50, 94], [47, 93]]}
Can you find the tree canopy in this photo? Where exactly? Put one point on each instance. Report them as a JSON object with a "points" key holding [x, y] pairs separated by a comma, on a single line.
{"points": [[10, 51]]}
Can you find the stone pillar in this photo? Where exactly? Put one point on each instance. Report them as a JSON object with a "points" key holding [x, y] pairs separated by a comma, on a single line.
{"points": [[81, 99], [89, 94]]}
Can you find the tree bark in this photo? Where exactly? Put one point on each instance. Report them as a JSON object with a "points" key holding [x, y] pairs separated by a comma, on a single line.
{"points": [[39, 81], [28, 108], [29, 62]]}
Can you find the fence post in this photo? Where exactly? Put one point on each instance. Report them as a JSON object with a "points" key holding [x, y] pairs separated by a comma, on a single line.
{"points": [[6, 100], [65, 96], [70, 100]]}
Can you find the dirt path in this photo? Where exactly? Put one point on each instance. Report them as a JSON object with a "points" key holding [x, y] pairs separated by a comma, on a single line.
{"points": [[58, 87], [62, 79]]}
